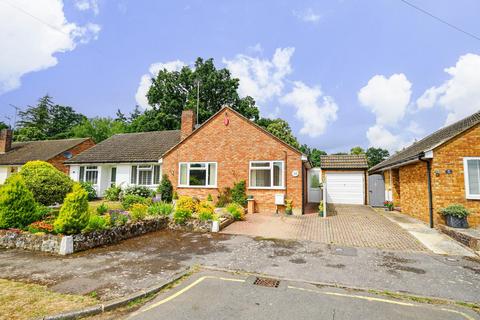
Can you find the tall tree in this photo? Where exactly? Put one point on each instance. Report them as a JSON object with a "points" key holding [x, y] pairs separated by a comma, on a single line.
{"points": [[357, 150], [3, 125], [313, 154], [376, 155], [47, 120], [98, 128], [173, 91], [281, 129]]}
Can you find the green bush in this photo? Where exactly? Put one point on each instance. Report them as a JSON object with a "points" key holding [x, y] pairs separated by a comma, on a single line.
{"points": [[239, 194], [209, 197], [165, 189], [236, 211], [141, 191], [138, 211], [160, 209], [204, 214], [48, 185], [288, 206], [92, 193], [175, 195], [102, 209], [74, 214], [181, 215], [129, 200], [187, 203], [456, 210], [224, 197], [113, 193], [95, 223], [17, 205]]}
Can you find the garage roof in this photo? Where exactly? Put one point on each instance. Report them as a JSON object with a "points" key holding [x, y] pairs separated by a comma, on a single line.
{"points": [[343, 161]]}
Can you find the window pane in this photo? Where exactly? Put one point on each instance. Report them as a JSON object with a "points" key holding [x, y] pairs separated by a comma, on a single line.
{"points": [[197, 165], [183, 174], [212, 174], [277, 174], [156, 174], [144, 177], [133, 175], [113, 176], [198, 177], [260, 164], [260, 177], [474, 176], [82, 174], [91, 176]]}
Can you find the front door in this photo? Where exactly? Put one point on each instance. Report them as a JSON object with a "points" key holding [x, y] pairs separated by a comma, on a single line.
{"points": [[376, 190], [314, 183]]}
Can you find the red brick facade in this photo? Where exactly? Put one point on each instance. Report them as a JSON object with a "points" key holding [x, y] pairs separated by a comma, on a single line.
{"points": [[58, 160], [447, 189], [233, 141]]}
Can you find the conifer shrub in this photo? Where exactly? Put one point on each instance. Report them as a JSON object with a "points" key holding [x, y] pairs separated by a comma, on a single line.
{"points": [[17, 205], [74, 214]]}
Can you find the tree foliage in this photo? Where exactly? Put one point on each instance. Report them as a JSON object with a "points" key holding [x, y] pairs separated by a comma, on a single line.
{"points": [[17, 205], [313, 154], [99, 129], [357, 150], [48, 185], [281, 129], [173, 91], [46, 120], [376, 155]]}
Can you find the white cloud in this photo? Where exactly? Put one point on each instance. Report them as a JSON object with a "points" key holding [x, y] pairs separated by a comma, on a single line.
{"points": [[379, 136], [460, 95], [261, 78], [84, 5], [29, 44], [307, 15], [387, 98], [145, 80], [315, 109]]}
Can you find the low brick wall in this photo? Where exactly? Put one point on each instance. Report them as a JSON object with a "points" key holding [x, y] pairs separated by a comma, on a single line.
{"points": [[463, 236], [10, 239], [85, 241]]}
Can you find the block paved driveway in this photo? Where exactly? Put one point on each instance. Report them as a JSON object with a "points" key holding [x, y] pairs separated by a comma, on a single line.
{"points": [[348, 225]]}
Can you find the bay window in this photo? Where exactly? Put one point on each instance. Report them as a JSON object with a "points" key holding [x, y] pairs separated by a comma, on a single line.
{"points": [[89, 174], [145, 175], [197, 174], [267, 174], [471, 171]]}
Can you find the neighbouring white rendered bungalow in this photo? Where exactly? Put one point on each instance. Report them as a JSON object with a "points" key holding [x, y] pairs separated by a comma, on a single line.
{"points": [[124, 160]]}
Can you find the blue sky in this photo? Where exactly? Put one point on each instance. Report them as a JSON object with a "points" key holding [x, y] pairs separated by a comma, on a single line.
{"points": [[343, 73]]}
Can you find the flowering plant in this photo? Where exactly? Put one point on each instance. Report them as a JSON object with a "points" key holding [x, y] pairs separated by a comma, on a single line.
{"points": [[389, 205]]}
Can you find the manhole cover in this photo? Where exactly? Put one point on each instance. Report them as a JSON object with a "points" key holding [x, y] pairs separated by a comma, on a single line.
{"points": [[266, 282]]}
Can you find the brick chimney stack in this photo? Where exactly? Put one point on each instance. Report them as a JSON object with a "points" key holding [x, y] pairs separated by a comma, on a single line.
{"points": [[188, 123], [5, 140]]}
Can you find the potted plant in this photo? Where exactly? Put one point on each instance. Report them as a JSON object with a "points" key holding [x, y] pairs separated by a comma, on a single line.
{"points": [[456, 216], [388, 205], [288, 206]]}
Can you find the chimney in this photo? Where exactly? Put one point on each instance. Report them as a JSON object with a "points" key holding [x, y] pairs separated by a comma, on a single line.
{"points": [[188, 123], [5, 140]]}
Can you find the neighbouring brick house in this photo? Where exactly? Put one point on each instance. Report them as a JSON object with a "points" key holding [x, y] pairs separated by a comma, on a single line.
{"points": [[450, 157], [225, 149], [15, 154]]}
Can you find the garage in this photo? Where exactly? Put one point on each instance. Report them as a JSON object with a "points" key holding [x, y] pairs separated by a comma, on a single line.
{"points": [[344, 178], [345, 187]]}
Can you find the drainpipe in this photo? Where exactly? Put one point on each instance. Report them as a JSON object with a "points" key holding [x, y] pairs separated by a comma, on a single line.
{"points": [[429, 183]]}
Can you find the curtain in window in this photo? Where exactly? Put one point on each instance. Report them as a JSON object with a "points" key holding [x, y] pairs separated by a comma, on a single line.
{"points": [[212, 174], [133, 175], [474, 176], [183, 174]]}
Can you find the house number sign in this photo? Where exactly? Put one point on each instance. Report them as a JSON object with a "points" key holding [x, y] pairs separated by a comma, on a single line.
{"points": [[295, 173], [449, 171]]}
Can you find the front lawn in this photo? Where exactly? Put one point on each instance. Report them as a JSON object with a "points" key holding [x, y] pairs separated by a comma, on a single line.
{"points": [[113, 205], [27, 301]]}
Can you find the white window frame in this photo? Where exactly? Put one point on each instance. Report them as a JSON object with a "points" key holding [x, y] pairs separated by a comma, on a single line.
{"points": [[468, 195], [282, 187], [207, 164], [151, 169], [89, 168]]}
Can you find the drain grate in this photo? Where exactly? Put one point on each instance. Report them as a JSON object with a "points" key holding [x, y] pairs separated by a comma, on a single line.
{"points": [[266, 282]]}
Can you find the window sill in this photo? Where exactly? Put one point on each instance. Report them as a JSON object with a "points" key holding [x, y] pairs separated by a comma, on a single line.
{"points": [[473, 197], [197, 187]]}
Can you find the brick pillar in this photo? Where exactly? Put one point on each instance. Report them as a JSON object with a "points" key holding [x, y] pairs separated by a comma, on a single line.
{"points": [[5, 140], [188, 123]]}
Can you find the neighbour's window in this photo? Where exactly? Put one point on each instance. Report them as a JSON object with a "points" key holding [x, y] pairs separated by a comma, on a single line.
{"points": [[89, 174], [145, 175], [266, 174], [472, 177], [113, 176], [198, 174]]}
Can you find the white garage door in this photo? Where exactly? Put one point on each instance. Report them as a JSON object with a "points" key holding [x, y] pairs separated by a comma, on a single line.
{"points": [[345, 187]]}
